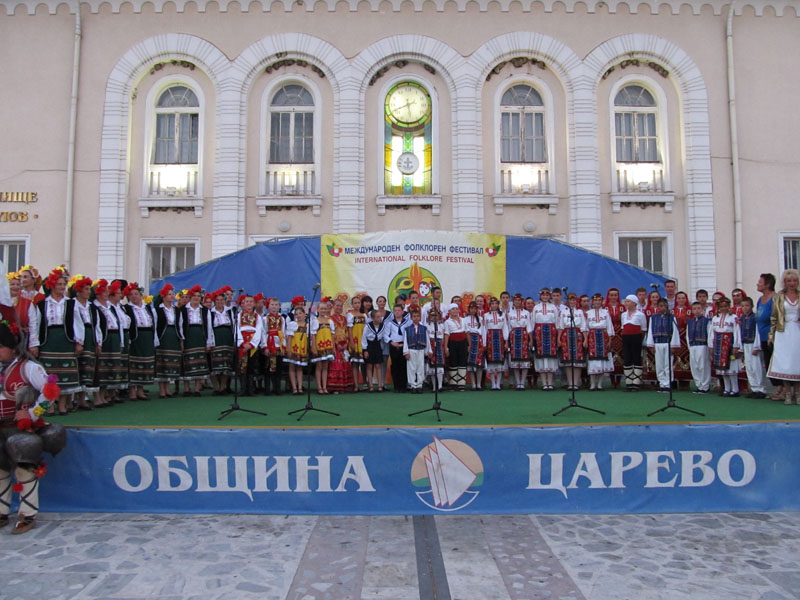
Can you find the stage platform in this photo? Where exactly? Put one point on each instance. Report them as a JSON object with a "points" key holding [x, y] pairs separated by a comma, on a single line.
{"points": [[506, 454]]}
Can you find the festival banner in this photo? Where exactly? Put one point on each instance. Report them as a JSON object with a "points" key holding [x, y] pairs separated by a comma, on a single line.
{"points": [[573, 469], [393, 263]]}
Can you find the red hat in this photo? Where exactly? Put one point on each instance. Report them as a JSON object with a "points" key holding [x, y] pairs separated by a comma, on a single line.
{"points": [[168, 287]]}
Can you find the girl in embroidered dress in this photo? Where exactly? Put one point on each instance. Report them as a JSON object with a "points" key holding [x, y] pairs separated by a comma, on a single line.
{"points": [[356, 320], [144, 341], [340, 374], [725, 345], [297, 348], [519, 329], [222, 352], [572, 341], [615, 309], [322, 329], [476, 340], [56, 336], [170, 341], [545, 319], [601, 330], [494, 323]]}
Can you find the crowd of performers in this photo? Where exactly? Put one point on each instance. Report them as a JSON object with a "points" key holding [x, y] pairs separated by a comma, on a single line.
{"points": [[108, 341]]}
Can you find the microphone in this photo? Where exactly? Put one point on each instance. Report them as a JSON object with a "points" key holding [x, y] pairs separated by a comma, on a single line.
{"points": [[655, 286], [316, 286], [565, 289]]}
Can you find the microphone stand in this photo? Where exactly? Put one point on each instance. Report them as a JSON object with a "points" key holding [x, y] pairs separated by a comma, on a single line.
{"points": [[671, 401], [437, 405], [309, 405], [572, 402], [235, 404]]}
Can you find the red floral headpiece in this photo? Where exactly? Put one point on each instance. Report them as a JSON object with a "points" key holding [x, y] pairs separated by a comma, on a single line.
{"points": [[241, 298], [82, 283], [54, 276], [325, 299], [100, 286], [195, 289], [115, 287], [259, 296], [131, 287], [225, 288], [166, 290], [298, 300]]}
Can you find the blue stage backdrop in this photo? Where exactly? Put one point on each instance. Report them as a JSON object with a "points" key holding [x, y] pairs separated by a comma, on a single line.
{"points": [[605, 469], [289, 268]]}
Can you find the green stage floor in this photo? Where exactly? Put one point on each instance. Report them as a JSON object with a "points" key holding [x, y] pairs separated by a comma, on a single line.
{"points": [[480, 409]]}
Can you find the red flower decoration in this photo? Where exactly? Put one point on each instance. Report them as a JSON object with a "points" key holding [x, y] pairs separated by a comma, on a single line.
{"points": [[298, 300], [166, 290], [40, 470], [24, 424], [13, 328], [195, 289], [17, 487], [51, 391], [259, 296]]}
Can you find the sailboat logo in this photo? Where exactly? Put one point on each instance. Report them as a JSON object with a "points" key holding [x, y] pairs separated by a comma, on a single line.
{"points": [[451, 471]]}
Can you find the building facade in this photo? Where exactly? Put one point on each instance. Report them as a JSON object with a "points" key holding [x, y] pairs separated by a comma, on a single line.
{"points": [[143, 137]]}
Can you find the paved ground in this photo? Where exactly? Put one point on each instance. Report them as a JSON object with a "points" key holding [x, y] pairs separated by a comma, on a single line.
{"points": [[641, 557]]}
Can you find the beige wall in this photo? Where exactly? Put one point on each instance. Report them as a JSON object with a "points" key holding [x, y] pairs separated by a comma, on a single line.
{"points": [[35, 90]]}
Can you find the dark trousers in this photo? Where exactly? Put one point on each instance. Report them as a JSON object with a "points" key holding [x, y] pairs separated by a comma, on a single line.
{"points": [[272, 378], [398, 369], [632, 350]]}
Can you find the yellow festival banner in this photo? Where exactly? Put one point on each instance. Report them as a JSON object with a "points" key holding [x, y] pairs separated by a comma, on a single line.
{"points": [[393, 263]]}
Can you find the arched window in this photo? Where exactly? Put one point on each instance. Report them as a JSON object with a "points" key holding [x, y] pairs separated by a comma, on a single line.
{"points": [[635, 125], [522, 136], [291, 131], [177, 127]]}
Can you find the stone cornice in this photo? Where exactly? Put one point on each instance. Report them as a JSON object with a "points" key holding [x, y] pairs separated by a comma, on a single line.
{"points": [[779, 7]]}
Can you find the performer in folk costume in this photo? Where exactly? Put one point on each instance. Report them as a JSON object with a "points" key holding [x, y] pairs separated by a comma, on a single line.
{"points": [[784, 333], [494, 323], [248, 337], [170, 341], [395, 334], [519, 328], [222, 352], [56, 336], [259, 360], [144, 341], [80, 288], [26, 392], [585, 304], [751, 347], [634, 325], [31, 283], [415, 348], [112, 372], [572, 342], [663, 338], [18, 301], [456, 347], [198, 339], [297, 348], [601, 331], [725, 345], [697, 332], [545, 341], [115, 297], [483, 305], [435, 348], [476, 340], [372, 344], [274, 343], [357, 321], [701, 296], [649, 365], [322, 329], [615, 309], [340, 373]]}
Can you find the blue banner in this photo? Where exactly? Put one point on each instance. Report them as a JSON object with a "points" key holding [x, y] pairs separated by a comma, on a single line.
{"points": [[604, 469]]}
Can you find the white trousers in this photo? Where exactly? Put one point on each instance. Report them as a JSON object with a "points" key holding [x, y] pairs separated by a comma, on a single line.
{"points": [[754, 369], [29, 496], [700, 364], [415, 368], [663, 356]]}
